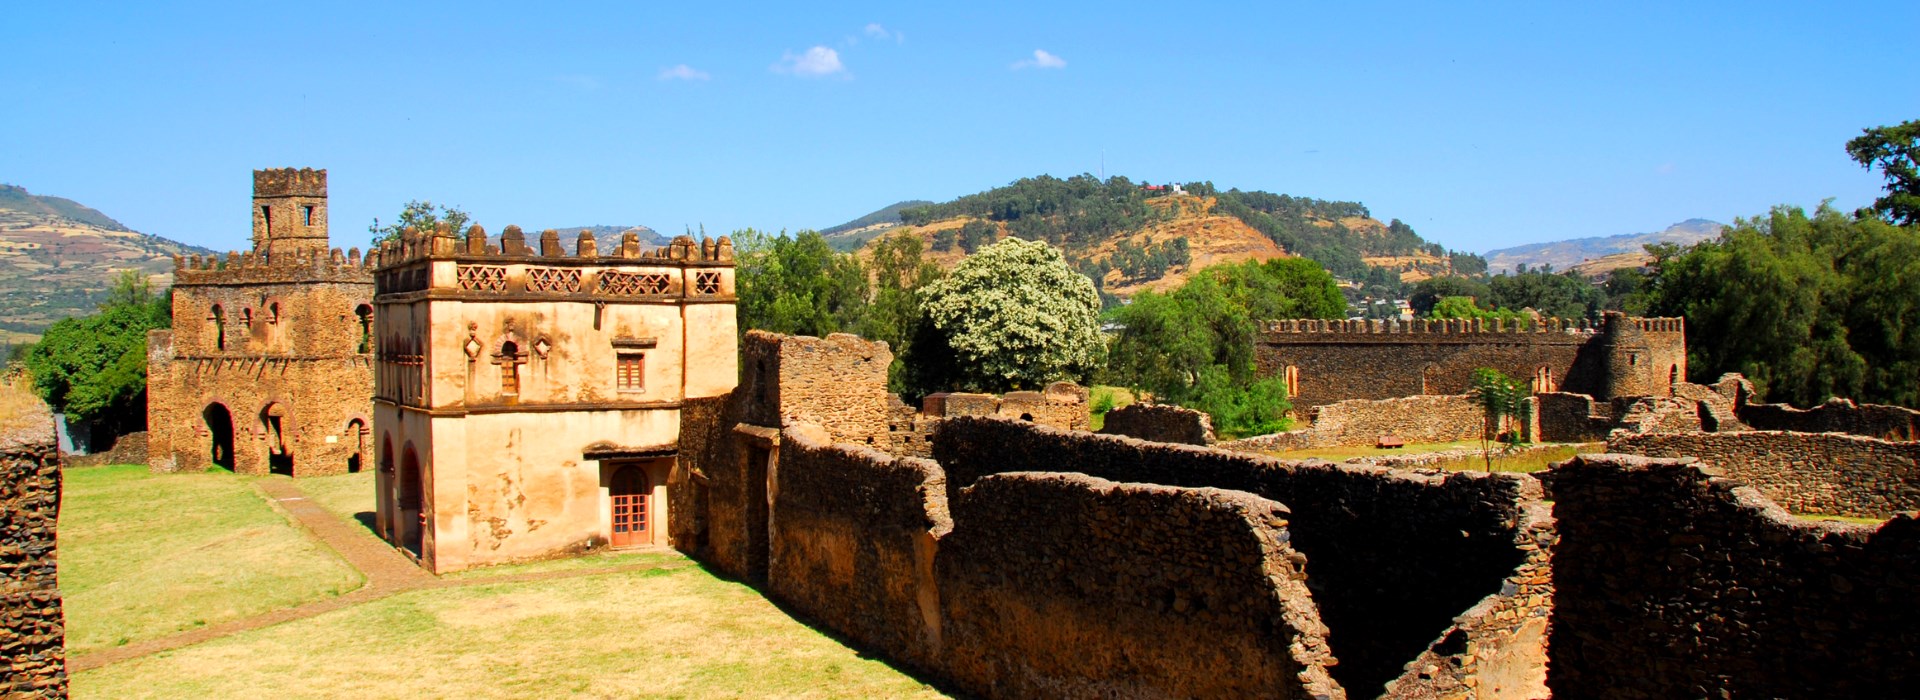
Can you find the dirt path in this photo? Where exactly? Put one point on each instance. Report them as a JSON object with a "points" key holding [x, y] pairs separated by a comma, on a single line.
{"points": [[387, 573]]}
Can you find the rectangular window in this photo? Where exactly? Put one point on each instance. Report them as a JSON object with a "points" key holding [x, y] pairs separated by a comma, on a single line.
{"points": [[266, 218], [307, 213], [631, 372]]}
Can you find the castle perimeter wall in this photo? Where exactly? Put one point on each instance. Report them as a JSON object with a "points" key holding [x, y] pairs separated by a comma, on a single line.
{"points": [[1393, 557], [1160, 423], [1836, 416], [32, 627], [1812, 473], [1672, 582], [1064, 585], [1329, 361]]}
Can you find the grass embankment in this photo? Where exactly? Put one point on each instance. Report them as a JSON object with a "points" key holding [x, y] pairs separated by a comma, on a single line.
{"points": [[677, 632], [1342, 454], [146, 555]]}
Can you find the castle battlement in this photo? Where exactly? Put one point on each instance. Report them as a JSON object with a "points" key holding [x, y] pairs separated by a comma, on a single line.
{"points": [[1476, 328], [254, 268], [290, 182], [443, 244]]}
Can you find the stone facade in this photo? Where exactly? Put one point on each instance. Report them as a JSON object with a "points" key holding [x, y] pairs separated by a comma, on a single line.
{"points": [[32, 628], [268, 366], [1672, 582], [1160, 423], [1328, 361], [1807, 473], [528, 404]]}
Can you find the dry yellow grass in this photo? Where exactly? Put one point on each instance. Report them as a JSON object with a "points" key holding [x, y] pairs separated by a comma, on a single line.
{"points": [[19, 405], [677, 632]]}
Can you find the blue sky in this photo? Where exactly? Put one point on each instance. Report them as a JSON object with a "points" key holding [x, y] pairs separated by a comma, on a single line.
{"points": [[1482, 126]]}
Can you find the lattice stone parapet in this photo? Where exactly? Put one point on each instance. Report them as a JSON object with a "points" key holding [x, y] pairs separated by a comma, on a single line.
{"points": [[551, 280], [482, 278], [635, 283]]}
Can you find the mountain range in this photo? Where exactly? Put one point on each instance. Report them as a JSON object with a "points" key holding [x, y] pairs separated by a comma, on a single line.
{"points": [[58, 258], [1601, 254]]}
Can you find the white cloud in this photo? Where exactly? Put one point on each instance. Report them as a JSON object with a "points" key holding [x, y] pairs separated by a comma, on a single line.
{"points": [[683, 72], [816, 62], [1041, 59], [878, 32]]}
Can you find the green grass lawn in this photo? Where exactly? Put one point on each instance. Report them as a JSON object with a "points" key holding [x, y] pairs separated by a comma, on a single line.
{"points": [[1530, 461], [1341, 454], [677, 632], [146, 555], [345, 495]]}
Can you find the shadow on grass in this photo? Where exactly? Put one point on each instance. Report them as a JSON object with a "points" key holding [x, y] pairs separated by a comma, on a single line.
{"points": [[926, 677], [365, 519]]}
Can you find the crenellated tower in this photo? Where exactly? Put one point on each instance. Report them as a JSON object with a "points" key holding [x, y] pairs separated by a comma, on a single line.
{"points": [[289, 211]]}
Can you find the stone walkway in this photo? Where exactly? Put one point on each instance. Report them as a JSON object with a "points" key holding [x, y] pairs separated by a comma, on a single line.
{"points": [[387, 572]]}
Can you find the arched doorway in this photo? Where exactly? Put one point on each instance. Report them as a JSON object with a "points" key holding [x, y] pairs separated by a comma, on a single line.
{"points": [[632, 495], [279, 458], [357, 440], [412, 525], [220, 428]]}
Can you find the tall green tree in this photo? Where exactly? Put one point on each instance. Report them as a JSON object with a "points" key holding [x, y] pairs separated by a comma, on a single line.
{"points": [[1504, 409], [1808, 307], [94, 368], [419, 215], [797, 284], [1013, 315], [899, 273], [1895, 151], [1194, 346]]}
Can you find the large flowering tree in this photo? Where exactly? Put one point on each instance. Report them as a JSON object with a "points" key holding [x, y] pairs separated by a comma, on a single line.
{"points": [[1013, 316]]}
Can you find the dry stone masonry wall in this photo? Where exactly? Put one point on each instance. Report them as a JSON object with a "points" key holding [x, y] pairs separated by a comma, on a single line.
{"points": [[33, 638], [1672, 582], [1836, 416], [1160, 423], [1809, 473]]}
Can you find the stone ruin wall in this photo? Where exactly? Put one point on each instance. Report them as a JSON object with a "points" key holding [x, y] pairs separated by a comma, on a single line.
{"points": [[1673, 582], [32, 626], [1836, 416], [1393, 557], [1160, 423], [1045, 585], [1807, 473], [1362, 422]]}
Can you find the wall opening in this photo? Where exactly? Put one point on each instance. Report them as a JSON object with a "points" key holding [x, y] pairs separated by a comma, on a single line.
{"points": [[758, 520], [219, 329], [632, 501], [412, 512], [357, 440], [1543, 381], [279, 458], [220, 429], [306, 215], [509, 369], [1430, 379], [365, 315], [1673, 378], [1290, 377], [266, 219]]}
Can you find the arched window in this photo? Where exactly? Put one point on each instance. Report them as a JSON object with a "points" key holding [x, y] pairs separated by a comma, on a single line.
{"points": [[219, 327], [1430, 379], [365, 314], [509, 369], [1543, 381], [1290, 377]]}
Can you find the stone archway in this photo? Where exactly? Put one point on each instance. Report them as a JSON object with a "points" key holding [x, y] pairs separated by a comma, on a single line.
{"points": [[273, 422], [356, 437], [411, 509], [219, 422]]}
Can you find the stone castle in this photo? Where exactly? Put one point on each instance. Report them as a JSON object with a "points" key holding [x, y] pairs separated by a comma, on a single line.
{"points": [[529, 403], [269, 365]]}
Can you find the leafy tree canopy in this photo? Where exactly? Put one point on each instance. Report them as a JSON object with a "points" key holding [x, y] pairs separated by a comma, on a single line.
{"points": [[1895, 150], [797, 285], [1194, 346], [1012, 316], [1808, 307], [419, 215], [94, 368], [1565, 295]]}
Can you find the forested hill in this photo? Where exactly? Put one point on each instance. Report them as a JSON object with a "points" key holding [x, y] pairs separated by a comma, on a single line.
{"points": [[874, 223], [1133, 235], [58, 258]]}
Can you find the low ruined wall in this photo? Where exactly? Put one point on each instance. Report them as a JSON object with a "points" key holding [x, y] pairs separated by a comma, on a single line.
{"points": [[1836, 416], [1568, 417], [852, 542], [32, 629], [1067, 586], [1813, 473], [130, 448], [1646, 414], [1498, 649], [1392, 557], [1670, 582], [1362, 422], [1160, 423]]}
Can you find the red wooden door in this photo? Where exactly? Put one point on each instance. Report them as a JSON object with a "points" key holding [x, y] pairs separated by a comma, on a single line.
{"points": [[631, 492]]}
